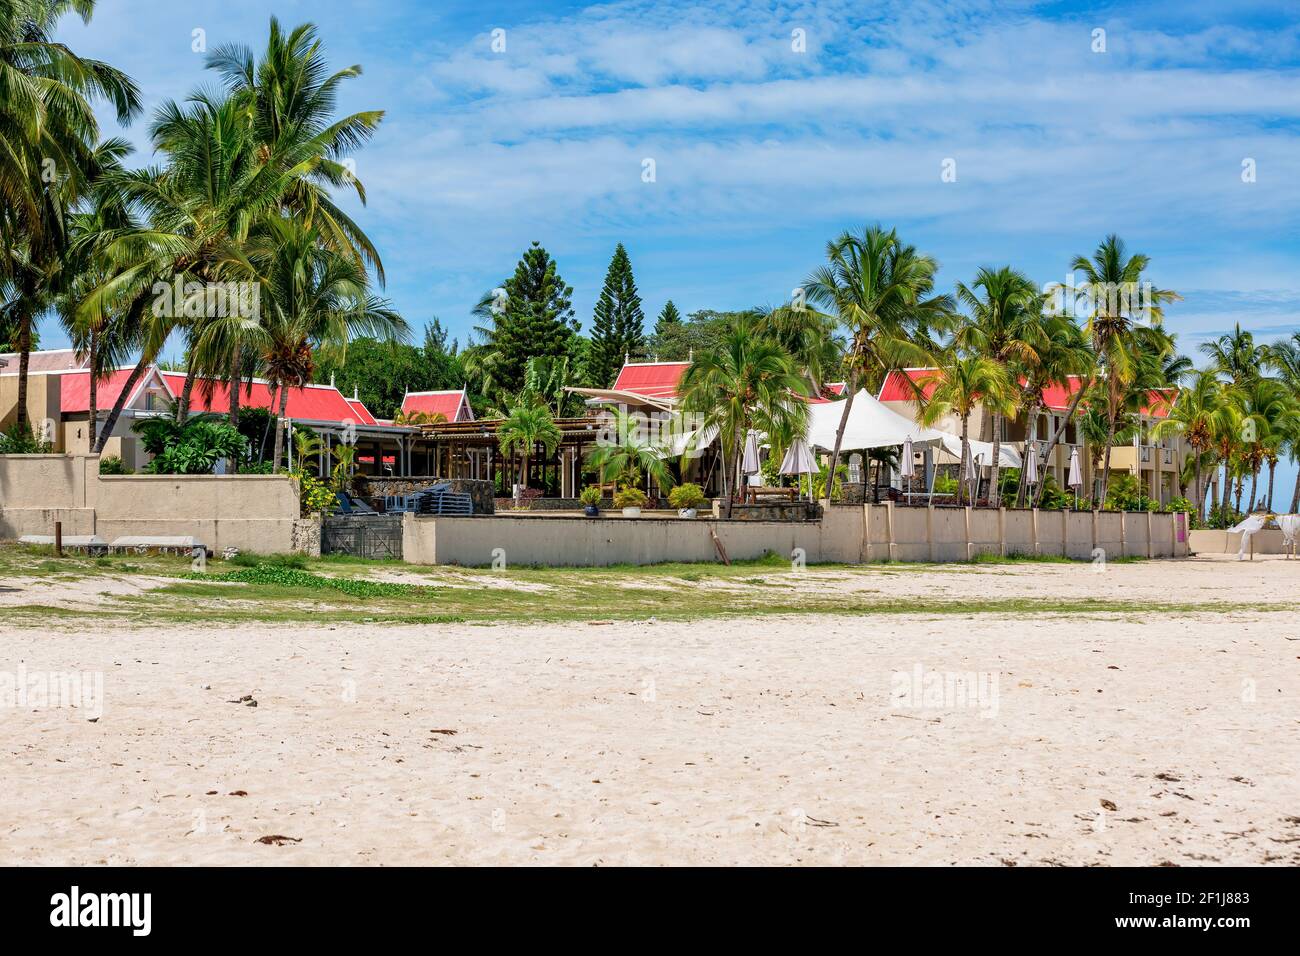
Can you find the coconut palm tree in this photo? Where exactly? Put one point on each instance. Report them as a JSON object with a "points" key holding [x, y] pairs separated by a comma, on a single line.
{"points": [[957, 387], [1198, 415], [48, 135], [1006, 326], [1118, 306], [526, 427], [1063, 359], [879, 290], [626, 453], [1284, 357], [312, 298], [747, 382]]}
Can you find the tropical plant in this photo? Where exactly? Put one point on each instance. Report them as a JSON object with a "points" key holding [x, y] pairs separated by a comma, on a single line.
{"points": [[192, 447], [630, 496], [957, 388], [1199, 416], [526, 427], [1006, 327], [624, 452], [687, 495], [748, 382], [1120, 303], [48, 135], [591, 496], [113, 465], [880, 291]]}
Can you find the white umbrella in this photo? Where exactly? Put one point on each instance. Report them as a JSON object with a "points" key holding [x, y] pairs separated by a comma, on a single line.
{"points": [[798, 460], [1076, 478], [905, 467], [749, 460], [1031, 468]]}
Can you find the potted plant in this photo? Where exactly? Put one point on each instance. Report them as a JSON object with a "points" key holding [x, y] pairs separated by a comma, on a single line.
{"points": [[590, 498], [686, 498], [631, 500]]}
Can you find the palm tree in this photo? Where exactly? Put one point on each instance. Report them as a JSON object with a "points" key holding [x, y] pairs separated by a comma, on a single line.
{"points": [[1284, 358], [1113, 282], [291, 96], [1198, 416], [879, 290], [960, 385], [312, 298], [1264, 407], [748, 382], [1006, 326], [626, 454], [526, 427], [48, 135], [1235, 356], [1064, 357]]}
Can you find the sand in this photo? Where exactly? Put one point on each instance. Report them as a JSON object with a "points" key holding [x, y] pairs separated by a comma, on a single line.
{"points": [[767, 740]]}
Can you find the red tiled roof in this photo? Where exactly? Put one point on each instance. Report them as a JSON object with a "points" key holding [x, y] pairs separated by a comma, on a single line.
{"points": [[74, 390], [449, 404], [362, 413], [317, 403], [651, 379], [1056, 397]]}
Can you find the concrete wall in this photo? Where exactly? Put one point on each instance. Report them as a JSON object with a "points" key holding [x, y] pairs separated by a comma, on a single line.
{"points": [[248, 512], [1229, 542], [847, 533], [44, 403]]}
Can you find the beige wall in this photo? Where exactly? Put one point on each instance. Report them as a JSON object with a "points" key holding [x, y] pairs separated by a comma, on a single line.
{"points": [[1229, 542], [44, 403], [895, 532], [248, 512]]}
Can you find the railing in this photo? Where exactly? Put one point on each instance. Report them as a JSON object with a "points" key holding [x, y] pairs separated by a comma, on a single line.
{"points": [[1169, 456], [1146, 453]]}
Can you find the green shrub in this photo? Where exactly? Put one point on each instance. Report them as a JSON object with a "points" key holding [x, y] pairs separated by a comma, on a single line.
{"points": [[250, 560], [113, 465], [314, 496], [629, 497], [20, 441], [590, 496], [687, 495], [192, 447]]}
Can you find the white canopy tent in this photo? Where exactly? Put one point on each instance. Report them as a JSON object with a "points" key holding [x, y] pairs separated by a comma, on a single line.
{"points": [[875, 425]]}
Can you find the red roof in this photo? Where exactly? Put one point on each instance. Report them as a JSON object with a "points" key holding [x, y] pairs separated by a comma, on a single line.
{"points": [[651, 379], [1056, 397], [450, 404], [362, 413], [317, 403], [74, 390]]}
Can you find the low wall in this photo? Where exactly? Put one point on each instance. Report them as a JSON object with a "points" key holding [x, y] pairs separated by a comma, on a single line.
{"points": [[248, 512], [846, 533], [1229, 542]]}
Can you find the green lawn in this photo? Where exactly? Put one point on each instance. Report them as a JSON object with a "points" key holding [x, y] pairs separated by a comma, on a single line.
{"points": [[332, 590]]}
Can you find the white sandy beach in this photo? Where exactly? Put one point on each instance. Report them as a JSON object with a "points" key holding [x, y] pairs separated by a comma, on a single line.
{"points": [[770, 740]]}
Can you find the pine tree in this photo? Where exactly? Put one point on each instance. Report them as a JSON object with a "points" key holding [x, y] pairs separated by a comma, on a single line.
{"points": [[536, 318], [668, 317], [618, 322]]}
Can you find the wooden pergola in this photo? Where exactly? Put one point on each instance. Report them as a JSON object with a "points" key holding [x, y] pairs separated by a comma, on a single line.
{"points": [[471, 450]]}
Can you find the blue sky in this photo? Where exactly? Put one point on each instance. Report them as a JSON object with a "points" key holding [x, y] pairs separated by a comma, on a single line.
{"points": [[763, 152]]}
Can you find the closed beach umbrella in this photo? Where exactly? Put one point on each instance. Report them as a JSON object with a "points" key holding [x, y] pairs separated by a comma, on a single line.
{"points": [[798, 460], [1031, 468], [749, 460], [1076, 477]]}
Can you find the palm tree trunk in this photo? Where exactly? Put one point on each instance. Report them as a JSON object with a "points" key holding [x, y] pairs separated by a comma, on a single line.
{"points": [[1197, 494], [1295, 496], [1056, 440], [851, 388], [1105, 473], [1254, 488], [1227, 488], [266, 429], [279, 431], [965, 451], [995, 493], [1268, 502], [93, 410], [24, 362], [236, 379], [1031, 425], [1241, 488], [183, 406], [111, 422]]}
